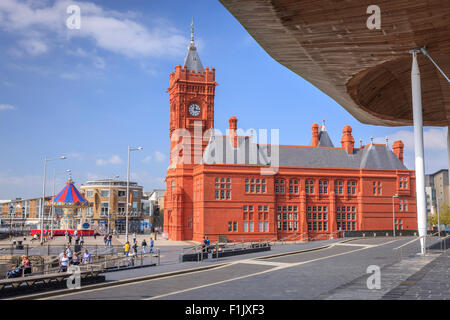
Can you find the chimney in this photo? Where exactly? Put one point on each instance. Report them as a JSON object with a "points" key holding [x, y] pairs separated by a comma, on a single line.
{"points": [[347, 141], [315, 135], [233, 128], [398, 149]]}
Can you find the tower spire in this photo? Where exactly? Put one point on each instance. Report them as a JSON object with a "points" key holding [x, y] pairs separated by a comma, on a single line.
{"points": [[192, 61]]}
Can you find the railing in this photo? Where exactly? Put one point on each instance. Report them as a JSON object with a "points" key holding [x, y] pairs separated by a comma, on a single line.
{"points": [[48, 250], [99, 264], [442, 242]]}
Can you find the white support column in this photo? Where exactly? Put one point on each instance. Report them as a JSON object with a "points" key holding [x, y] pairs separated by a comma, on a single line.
{"points": [[448, 156], [418, 150]]}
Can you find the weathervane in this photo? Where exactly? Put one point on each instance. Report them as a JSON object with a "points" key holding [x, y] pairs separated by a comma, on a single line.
{"points": [[192, 30]]}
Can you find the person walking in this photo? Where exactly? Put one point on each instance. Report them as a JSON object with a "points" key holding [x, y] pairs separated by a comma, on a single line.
{"points": [[105, 240], [207, 244], [95, 234], [126, 248], [70, 238], [110, 240], [82, 240], [134, 237], [151, 245], [144, 246], [135, 247]]}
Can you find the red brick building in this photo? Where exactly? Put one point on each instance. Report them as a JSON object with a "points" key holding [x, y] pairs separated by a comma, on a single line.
{"points": [[216, 184]]}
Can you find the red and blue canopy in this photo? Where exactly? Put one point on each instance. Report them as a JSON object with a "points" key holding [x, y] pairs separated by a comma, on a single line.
{"points": [[69, 197]]}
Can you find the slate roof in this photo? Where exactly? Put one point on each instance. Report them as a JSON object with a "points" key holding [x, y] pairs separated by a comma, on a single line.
{"points": [[192, 61], [220, 151]]}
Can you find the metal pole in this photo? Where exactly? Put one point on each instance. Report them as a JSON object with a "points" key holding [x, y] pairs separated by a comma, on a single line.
{"points": [[393, 214], [418, 150], [109, 209], [43, 201], [128, 196], [53, 206]]}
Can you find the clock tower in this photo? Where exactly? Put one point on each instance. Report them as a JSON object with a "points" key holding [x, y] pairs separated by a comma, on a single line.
{"points": [[191, 91]]}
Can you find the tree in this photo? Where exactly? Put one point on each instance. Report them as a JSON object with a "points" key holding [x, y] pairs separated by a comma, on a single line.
{"points": [[444, 216]]}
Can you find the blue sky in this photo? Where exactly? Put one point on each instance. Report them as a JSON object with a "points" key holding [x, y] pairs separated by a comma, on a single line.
{"points": [[88, 93]]}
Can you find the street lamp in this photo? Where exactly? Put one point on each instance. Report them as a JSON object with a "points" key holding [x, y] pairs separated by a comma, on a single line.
{"points": [[128, 188], [110, 206], [43, 194], [11, 208], [393, 213], [23, 217]]}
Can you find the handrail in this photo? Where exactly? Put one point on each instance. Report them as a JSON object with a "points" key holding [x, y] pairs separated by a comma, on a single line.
{"points": [[45, 269], [418, 238]]}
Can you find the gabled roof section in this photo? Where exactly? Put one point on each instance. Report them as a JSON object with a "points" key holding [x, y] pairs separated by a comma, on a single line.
{"points": [[324, 140]]}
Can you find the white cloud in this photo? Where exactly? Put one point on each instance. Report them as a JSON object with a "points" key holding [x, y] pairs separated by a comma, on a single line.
{"points": [[115, 160], [147, 159], [6, 107], [70, 76], [435, 147], [109, 30], [159, 156], [33, 47], [434, 138], [7, 84]]}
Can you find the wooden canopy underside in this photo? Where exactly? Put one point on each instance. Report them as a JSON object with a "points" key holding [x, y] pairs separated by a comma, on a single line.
{"points": [[368, 72]]}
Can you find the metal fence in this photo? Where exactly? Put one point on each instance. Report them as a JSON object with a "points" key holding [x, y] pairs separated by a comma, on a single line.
{"points": [[49, 250], [102, 263]]}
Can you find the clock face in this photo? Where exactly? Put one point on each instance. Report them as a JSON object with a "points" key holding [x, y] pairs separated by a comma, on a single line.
{"points": [[194, 109]]}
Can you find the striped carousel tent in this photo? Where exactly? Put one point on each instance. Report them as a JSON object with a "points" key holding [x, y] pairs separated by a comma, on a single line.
{"points": [[69, 197]]}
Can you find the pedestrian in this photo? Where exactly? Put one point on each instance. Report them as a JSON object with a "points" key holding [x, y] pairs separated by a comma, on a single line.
{"points": [[144, 246], [95, 234], [105, 240], [134, 237], [207, 244], [70, 238], [135, 247], [63, 263], [126, 248], [75, 259], [82, 240], [87, 258], [151, 245], [203, 244], [69, 253], [65, 235], [109, 239]]}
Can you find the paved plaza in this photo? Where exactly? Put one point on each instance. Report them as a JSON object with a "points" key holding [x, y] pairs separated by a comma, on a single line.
{"points": [[320, 270]]}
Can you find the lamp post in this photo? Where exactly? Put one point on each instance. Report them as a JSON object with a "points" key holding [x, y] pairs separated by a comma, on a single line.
{"points": [[128, 189], [393, 213], [23, 216], [11, 208], [43, 194], [110, 206]]}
